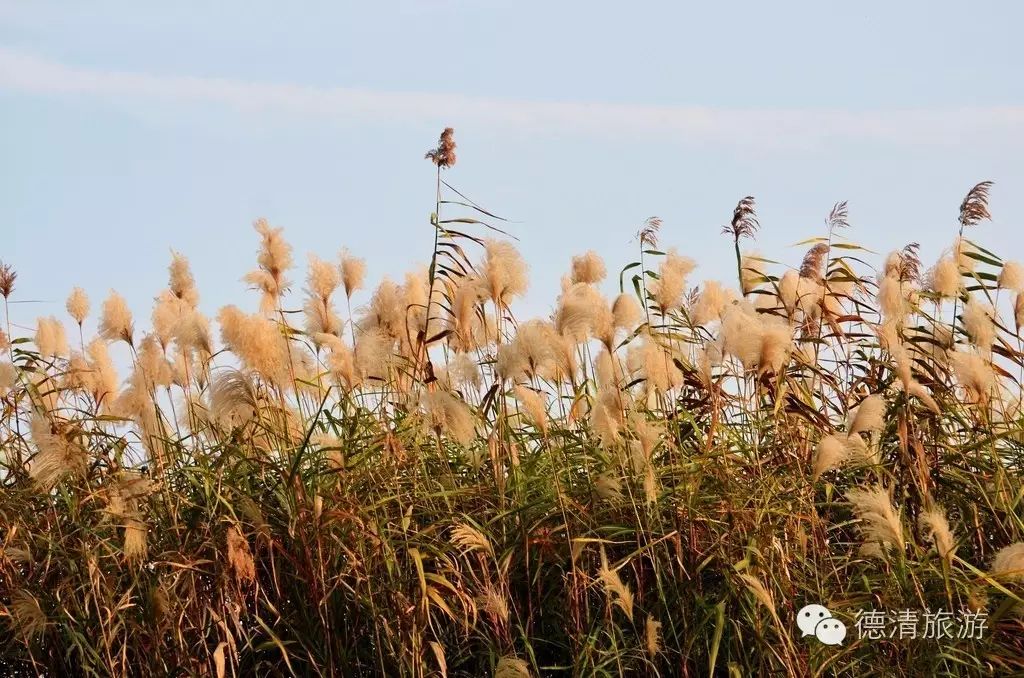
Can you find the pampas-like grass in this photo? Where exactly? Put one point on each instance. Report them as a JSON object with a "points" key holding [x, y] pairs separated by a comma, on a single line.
{"points": [[274, 259], [869, 417], [534, 407], [944, 279], [373, 354], [8, 377], [617, 591], [830, 453], [712, 300], [182, 284], [464, 372], [233, 399], [116, 322], [77, 305], [776, 345], [239, 557], [742, 334], [583, 313], [1008, 563], [50, 338], [353, 271], [57, 456], [503, 272], [321, 282], [880, 526], [654, 364], [103, 379], [667, 290], [447, 415], [920, 392], [625, 312], [652, 636], [962, 251], [512, 667], [1011, 276], [258, 343], [975, 374], [136, 544], [978, 321], [588, 268], [936, 529]]}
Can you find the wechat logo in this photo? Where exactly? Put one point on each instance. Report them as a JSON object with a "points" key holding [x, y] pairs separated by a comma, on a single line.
{"points": [[817, 621]]}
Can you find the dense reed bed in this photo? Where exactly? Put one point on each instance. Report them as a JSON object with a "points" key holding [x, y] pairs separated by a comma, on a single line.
{"points": [[409, 480]]}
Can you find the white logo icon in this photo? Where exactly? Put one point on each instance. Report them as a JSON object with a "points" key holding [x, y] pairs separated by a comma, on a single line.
{"points": [[830, 631], [817, 621]]}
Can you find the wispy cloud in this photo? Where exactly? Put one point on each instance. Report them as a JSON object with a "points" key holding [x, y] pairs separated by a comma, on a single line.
{"points": [[757, 127]]}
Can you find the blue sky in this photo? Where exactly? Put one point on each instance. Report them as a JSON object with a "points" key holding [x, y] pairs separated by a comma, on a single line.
{"points": [[128, 129]]}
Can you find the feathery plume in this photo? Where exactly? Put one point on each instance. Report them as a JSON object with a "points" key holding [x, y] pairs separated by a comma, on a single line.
{"points": [[1011, 276], [446, 414], [258, 343], [935, 528], [444, 155], [534, 407], [625, 312], [868, 417], [712, 300], [652, 636], [944, 278], [668, 289], [27, 615], [648, 234], [744, 222], [464, 371], [512, 667], [321, 281], [103, 379], [8, 377], [50, 338], [813, 265], [979, 321], [618, 592], [116, 320], [57, 456], [233, 400], [742, 334], [135, 545], [274, 259], [582, 313], [503, 272], [78, 305], [830, 454], [974, 208], [974, 373], [962, 251], [353, 270], [588, 268], [1008, 563], [182, 284], [7, 278], [240, 559], [655, 365], [880, 525]]}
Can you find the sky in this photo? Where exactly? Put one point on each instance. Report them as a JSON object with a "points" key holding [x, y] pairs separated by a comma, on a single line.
{"points": [[130, 129]]}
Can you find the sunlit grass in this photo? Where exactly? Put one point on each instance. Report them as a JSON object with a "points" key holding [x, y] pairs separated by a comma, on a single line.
{"points": [[412, 481]]}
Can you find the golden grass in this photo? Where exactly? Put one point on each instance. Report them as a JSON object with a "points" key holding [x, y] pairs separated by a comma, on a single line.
{"points": [[419, 483]]}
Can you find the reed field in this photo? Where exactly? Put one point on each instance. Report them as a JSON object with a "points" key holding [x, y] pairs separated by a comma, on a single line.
{"points": [[336, 479]]}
